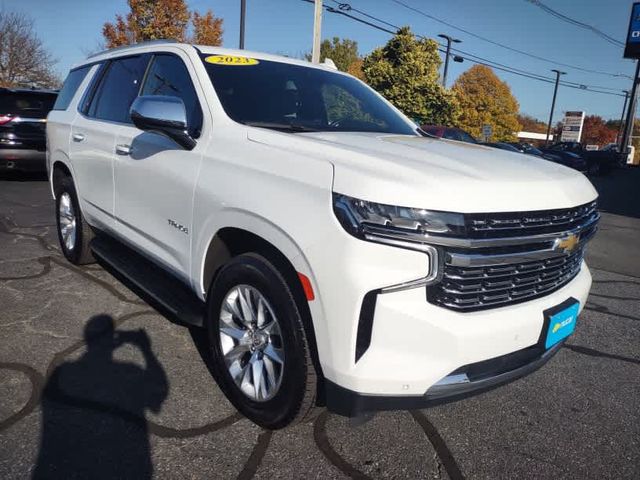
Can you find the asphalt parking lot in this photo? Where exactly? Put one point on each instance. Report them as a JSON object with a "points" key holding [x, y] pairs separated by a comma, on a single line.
{"points": [[94, 383]]}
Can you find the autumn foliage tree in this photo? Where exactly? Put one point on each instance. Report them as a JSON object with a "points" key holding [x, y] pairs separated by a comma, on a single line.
{"points": [[531, 124], [162, 19], [485, 99], [595, 131], [405, 71]]}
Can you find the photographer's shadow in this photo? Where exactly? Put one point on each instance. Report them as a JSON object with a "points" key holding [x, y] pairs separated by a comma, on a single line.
{"points": [[93, 409]]}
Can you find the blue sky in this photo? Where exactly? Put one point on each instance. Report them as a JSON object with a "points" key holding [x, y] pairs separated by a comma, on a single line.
{"points": [[71, 28]]}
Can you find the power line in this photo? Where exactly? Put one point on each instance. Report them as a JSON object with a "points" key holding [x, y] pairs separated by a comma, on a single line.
{"points": [[575, 22], [343, 8], [507, 47]]}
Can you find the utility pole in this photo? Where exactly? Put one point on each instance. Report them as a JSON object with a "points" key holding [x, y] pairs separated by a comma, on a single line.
{"points": [[620, 128], [446, 57], [317, 31], [243, 13], [553, 103], [631, 113]]}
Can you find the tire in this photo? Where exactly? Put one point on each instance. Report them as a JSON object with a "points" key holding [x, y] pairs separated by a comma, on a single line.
{"points": [[254, 277], [77, 250]]}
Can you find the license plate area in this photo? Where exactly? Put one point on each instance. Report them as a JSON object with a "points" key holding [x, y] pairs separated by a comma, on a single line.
{"points": [[559, 322]]}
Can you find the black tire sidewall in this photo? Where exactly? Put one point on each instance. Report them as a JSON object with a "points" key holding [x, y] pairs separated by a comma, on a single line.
{"points": [[256, 271], [66, 186]]}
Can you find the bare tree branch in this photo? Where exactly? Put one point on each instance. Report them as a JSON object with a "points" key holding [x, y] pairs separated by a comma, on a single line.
{"points": [[24, 61]]}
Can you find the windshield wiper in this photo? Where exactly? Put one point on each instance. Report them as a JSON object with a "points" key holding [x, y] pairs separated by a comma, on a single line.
{"points": [[284, 127]]}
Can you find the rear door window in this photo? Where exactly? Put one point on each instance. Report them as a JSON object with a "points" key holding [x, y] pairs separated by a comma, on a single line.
{"points": [[118, 89], [70, 87], [26, 104]]}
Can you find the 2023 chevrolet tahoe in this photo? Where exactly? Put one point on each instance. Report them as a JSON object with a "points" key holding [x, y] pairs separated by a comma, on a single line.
{"points": [[335, 254]]}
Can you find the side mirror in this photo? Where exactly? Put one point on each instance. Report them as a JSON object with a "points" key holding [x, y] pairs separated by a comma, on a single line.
{"points": [[165, 115]]}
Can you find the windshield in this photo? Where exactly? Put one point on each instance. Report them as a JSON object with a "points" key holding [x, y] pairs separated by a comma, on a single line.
{"points": [[299, 99]]}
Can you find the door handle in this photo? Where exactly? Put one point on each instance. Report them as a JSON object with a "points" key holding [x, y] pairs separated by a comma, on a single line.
{"points": [[78, 137], [123, 149]]}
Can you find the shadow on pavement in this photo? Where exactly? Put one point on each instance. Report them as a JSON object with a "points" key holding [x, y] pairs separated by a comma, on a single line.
{"points": [[93, 409], [619, 192]]}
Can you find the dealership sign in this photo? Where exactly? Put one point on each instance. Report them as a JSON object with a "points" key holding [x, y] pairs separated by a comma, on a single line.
{"points": [[632, 48], [572, 126]]}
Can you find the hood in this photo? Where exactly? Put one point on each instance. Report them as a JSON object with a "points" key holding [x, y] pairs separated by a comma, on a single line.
{"points": [[446, 175]]}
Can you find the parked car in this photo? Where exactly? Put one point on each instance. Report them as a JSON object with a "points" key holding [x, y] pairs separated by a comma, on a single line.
{"points": [[333, 254], [570, 160], [502, 146], [599, 162], [450, 133], [23, 114]]}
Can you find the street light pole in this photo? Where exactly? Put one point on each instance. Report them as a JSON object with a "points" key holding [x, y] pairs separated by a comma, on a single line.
{"points": [[553, 103], [620, 128], [631, 111], [446, 57], [243, 13], [317, 32]]}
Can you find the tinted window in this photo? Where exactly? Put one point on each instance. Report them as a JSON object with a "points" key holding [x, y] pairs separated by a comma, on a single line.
{"points": [[465, 137], [298, 98], [118, 89], [26, 104], [71, 84], [168, 76], [451, 134]]}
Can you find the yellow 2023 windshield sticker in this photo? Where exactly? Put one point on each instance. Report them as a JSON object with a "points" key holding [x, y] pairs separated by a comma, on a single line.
{"points": [[231, 60]]}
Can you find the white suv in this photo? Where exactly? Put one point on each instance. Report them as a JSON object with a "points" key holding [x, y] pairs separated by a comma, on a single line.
{"points": [[335, 254]]}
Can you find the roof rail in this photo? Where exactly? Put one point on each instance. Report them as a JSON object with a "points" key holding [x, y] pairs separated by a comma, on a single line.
{"points": [[146, 42]]}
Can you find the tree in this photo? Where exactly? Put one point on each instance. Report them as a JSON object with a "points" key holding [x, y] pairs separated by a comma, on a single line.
{"points": [[343, 52], [485, 99], [162, 19], [405, 71], [24, 61], [531, 124], [207, 29], [596, 132]]}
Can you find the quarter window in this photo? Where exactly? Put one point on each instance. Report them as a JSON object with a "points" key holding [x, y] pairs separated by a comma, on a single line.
{"points": [[118, 89], [70, 87], [168, 76]]}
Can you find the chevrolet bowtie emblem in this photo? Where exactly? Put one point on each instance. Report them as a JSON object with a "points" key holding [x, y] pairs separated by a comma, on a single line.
{"points": [[567, 244]]}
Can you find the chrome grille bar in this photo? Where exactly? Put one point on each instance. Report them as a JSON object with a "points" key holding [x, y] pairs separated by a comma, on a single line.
{"points": [[509, 258]]}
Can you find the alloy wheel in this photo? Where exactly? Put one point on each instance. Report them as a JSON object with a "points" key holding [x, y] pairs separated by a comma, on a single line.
{"points": [[67, 216], [251, 342]]}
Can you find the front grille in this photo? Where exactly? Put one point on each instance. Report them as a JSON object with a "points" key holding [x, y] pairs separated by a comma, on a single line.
{"points": [[489, 225], [476, 288]]}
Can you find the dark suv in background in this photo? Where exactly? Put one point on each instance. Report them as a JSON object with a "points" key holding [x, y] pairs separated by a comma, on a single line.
{"points": [[23, 117]]}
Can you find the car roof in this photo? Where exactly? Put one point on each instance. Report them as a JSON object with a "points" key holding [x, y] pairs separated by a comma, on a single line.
{"points": [[204, 49]]}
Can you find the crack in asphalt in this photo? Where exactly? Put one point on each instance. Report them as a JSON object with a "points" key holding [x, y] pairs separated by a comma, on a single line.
{"points": [[597, 353], [596, 307], [440, 446], [323, 444], [257, 454]]}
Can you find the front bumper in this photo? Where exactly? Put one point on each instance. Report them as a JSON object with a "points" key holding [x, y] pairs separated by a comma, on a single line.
{"points": [[413, 344], [496, 372]]}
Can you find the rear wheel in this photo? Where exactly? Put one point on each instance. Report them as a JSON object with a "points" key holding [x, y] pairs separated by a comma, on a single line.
{"points": [[74, 234], [260, 351]]}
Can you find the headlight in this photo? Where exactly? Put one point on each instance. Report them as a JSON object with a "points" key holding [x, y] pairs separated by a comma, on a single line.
{"points": [[365, 219], [403, 227]]}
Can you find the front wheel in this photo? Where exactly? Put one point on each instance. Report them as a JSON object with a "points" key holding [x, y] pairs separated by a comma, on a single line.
{"points": [[260, 351]]}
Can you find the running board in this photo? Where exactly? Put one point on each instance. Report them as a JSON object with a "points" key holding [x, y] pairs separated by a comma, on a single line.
{"points": [[154, 284]]}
